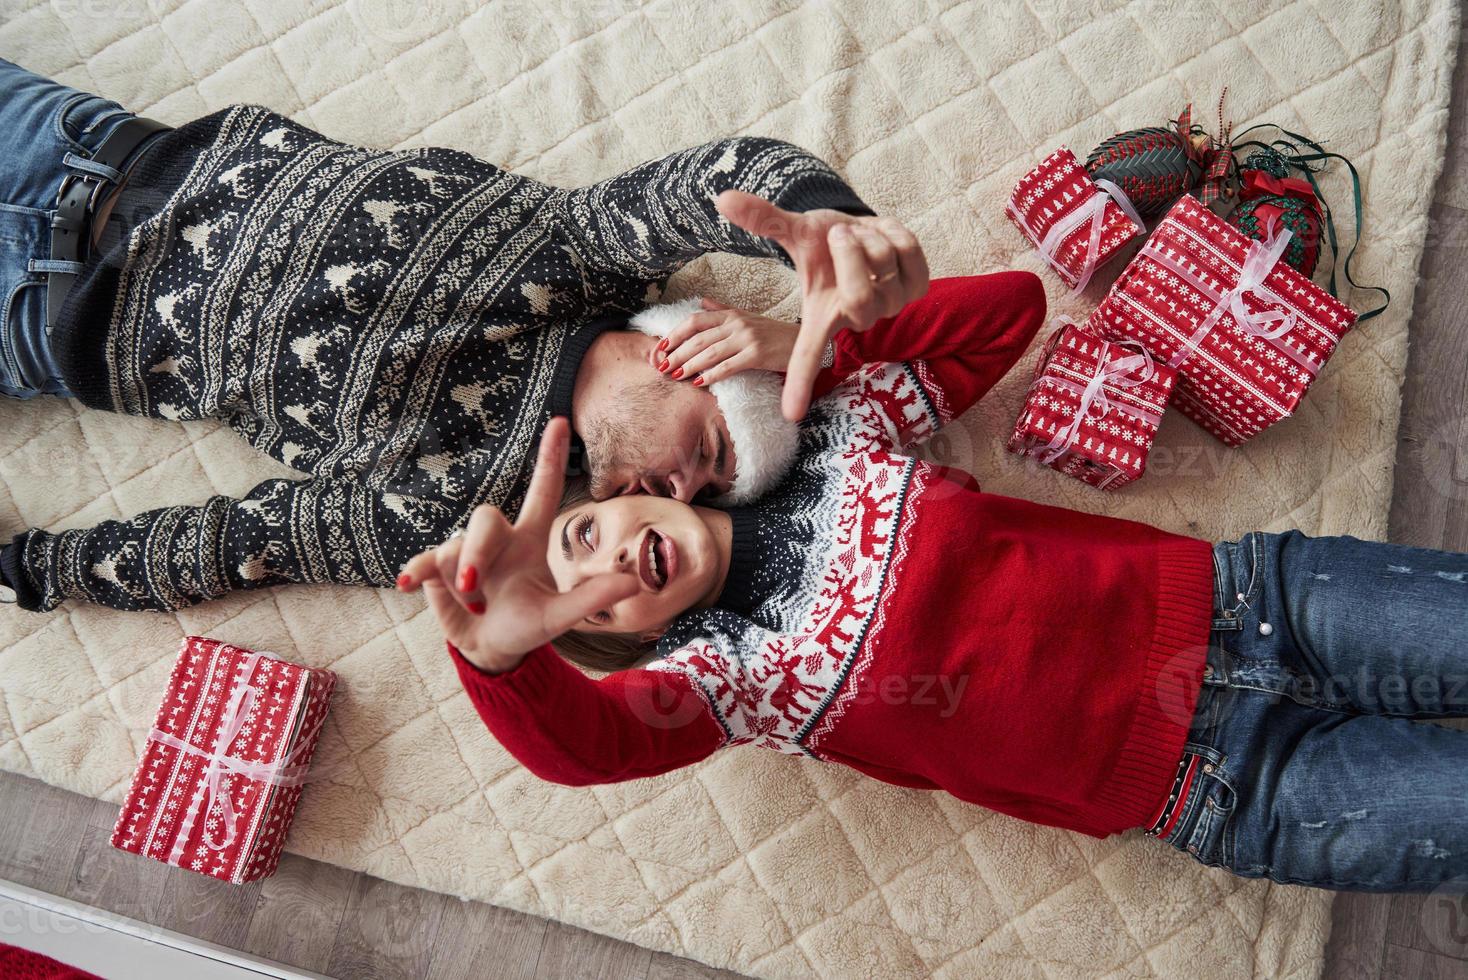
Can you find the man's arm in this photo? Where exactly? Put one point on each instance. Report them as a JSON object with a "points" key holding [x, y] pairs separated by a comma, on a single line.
{"points": [[650, 221], [283, 531]]}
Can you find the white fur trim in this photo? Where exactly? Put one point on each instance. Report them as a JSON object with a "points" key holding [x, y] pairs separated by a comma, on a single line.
{"points": [[765, 442]]}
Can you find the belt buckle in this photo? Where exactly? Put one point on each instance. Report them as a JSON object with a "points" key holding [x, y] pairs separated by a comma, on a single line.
{"points": [[98, 192], [97, 184], [66, 183]]}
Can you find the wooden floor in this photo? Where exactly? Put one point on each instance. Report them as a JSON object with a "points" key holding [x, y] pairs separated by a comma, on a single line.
{"points": [[310, 915], [329, 920], [1413, 935]]}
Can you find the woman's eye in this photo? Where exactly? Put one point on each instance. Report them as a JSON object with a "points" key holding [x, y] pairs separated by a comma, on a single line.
{"points": [[583, 532], [603, 617]]}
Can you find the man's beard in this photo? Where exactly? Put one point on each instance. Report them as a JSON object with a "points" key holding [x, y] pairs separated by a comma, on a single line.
{"points": [[619, 441], [764, 441]]}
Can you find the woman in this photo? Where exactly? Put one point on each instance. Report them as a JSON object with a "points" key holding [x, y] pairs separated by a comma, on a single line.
{"points": [[1252, 703]]}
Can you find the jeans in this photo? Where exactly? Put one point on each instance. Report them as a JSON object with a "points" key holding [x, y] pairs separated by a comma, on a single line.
{"points": [[48, 127], [1311, 768]]}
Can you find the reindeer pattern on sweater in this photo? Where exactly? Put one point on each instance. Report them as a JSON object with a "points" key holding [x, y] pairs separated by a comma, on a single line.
{"points": [[827, 542], [396, 325]]}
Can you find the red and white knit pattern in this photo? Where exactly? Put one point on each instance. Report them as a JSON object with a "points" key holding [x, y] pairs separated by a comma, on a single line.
{"points": [[776, 697]]}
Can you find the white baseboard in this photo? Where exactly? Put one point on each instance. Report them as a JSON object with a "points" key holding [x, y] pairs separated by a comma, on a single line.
{"points": [[119, 948]]}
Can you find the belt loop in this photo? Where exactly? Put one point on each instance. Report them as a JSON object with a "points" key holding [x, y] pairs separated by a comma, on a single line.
{"points": [[92, 167], [54, 265]]}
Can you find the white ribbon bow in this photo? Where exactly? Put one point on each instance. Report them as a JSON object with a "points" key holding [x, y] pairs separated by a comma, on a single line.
{"points": [[1094, 211], [283, 772], [1127, 372], [1267, 324]]}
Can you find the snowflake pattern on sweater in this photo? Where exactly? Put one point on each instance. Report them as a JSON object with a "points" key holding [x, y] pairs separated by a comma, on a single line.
{"points": [[399, 325]]}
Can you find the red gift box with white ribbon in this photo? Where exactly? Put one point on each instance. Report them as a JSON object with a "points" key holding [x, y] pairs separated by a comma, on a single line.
{"points": [[1094, 407], [1247, 332], [224, 763], [1078, 224]]}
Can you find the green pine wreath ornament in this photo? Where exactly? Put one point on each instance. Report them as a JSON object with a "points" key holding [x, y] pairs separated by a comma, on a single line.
{"points": [[1269, 198], [1280, 185]]}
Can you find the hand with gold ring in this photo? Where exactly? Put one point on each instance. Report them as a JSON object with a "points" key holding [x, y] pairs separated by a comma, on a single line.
{"points": [[853, 272]]}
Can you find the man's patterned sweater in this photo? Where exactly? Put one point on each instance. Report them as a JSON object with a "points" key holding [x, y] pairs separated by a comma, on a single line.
{"points": [[398, 325]]}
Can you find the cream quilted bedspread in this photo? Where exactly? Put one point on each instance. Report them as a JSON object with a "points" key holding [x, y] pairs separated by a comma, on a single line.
{"points": [[762, 863]]}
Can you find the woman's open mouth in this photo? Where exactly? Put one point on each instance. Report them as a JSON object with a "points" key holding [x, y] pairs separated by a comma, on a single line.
{"points": [[658, 560]]}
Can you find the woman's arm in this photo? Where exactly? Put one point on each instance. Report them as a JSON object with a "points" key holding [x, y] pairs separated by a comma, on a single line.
{"points": [[914, 373], [968, 331], [569, 729]]}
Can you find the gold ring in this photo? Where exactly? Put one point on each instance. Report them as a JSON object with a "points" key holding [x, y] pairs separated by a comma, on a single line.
{"points": [[886, 277]]}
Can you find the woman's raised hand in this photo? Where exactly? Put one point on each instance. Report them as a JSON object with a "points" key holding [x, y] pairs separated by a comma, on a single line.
{"points": [[853, 271], [721, 341], [491, 588]]}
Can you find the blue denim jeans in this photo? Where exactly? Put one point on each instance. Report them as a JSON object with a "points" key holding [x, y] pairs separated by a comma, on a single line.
{"points": [[1311, 764], [44, 122]]}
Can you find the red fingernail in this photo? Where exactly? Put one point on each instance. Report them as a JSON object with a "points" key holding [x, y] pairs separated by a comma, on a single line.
{"points": [[468, 578], [405, 581], [663, 344], [663, 366], [698, 381], [477, 608], [676, 374]]}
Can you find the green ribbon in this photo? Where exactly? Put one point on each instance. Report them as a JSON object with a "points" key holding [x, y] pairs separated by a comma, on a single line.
{"points": [[1302, 161]]}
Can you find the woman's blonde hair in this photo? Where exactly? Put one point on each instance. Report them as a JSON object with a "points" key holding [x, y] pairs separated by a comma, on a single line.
{"points": [[604, 652]]}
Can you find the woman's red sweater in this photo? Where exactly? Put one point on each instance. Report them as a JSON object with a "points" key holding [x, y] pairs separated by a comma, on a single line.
{"points": [[884, 613]]}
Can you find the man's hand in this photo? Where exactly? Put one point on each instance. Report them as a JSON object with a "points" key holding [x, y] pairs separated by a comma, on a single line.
{"points": [[722, 341], [491, 588], [853, 272]]}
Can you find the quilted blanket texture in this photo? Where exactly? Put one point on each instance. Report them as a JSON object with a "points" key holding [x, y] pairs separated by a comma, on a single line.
{"points": [[762, 863]]}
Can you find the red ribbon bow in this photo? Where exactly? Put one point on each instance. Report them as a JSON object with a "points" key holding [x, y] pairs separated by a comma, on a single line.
{"points": [[1262, 183]]}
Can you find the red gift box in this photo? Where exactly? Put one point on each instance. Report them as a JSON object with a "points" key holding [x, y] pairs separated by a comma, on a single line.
{"points": [[1093, 408], [1247, 332], [1077, 223], [224, 763]]}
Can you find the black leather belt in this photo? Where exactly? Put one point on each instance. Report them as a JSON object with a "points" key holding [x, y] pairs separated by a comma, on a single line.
{"points": [[77, 200]]}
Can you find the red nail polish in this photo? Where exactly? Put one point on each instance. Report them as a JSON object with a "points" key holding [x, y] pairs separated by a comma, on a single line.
{"points": [[468, 578], [698, 381], [405, 581], [663, 344], [663, 366], [676, 374], [477, 608]]}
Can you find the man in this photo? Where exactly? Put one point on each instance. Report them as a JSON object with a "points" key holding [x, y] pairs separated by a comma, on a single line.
{"points": [[397, 325]]}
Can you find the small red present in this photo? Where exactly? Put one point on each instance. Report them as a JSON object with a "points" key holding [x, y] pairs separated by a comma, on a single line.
{"points": [[225, 761], [1093, 408], [1077, 223], [1247, 332]]}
